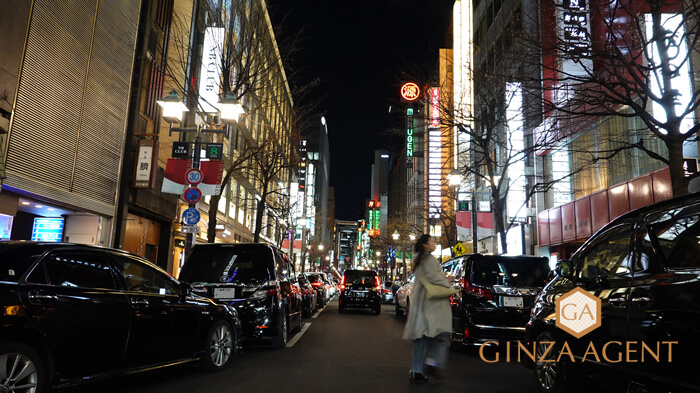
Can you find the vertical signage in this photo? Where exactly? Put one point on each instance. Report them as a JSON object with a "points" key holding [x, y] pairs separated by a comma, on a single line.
{"points": [[210, 72], [577, 36], [409, 136], [145, 171], [434, 107]]}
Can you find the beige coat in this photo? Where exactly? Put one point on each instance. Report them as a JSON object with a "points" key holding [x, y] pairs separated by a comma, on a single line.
{"points": [[428, 317]]}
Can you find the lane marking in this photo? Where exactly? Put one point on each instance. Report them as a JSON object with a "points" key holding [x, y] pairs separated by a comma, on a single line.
{"points": [[304, 328]]}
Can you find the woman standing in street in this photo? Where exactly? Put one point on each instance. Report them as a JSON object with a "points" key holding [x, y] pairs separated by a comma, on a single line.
{"points": [[429, 321]]}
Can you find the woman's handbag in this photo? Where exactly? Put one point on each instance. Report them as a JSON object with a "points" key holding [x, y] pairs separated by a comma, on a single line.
{"points": [[433, 291]]}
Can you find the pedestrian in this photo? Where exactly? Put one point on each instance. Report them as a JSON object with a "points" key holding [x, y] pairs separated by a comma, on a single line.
{"points": [[429, 321]]}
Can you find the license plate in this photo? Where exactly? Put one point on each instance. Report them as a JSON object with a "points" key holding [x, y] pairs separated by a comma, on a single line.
{"points": [[224, 293], [360, 294], [511, 301]]}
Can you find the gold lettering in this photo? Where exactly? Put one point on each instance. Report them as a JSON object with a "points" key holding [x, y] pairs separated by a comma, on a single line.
{"points": [[654, 355], [481, 352], [543, 358], [605, 352], [531, 355], [566, 350], [587, 310], [563, 310], [670, 349], [591, 349], [629, 351], [508, 352]]}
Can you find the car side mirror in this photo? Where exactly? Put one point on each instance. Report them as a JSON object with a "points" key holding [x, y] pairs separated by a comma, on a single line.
{"points": [[185, 289], [564, 268]]}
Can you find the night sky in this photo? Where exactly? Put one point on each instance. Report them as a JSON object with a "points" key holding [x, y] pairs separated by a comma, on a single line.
{"points": [[362, 51]]}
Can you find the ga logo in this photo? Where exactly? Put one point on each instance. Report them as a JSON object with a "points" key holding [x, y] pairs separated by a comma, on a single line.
{"points": [[578, 312]]}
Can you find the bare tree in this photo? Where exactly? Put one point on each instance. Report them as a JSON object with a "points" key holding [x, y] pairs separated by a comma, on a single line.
{"points": [[633, 65]]}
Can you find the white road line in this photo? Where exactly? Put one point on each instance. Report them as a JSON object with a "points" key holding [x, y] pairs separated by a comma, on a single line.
{"points": [[304, 327], [318, 312]]}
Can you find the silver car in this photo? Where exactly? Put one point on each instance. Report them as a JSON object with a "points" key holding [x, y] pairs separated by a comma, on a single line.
{"points": [[401, 300]]}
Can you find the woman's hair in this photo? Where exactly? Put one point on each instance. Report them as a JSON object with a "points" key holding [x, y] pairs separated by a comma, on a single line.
{"points": [[419, 250]]}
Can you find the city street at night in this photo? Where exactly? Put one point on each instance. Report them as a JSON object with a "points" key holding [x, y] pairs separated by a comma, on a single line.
{"points": [[345, 353]]}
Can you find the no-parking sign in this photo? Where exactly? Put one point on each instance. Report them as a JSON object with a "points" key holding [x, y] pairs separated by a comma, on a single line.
{"points": [[192, 195]]}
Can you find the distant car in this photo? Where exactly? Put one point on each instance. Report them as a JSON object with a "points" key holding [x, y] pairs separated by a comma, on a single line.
{"points": [[387, 294], [496, 295], [74, 313], [322, 288], [360, 289], [308, 296], [644, 269], [401, 300], [257, 279]]}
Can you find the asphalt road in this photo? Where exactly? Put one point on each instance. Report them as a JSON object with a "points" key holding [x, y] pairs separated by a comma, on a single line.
{"points": [[352, 352]]}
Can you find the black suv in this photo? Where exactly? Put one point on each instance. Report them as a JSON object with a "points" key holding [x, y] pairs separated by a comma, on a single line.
{"points": [[496, 294], [644, 267], [360, 289], [74, 313], [257, 279]]}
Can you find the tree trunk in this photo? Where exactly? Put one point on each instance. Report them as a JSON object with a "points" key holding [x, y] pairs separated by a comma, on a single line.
{"points": [[498, 220], [679, 183], [211, 226], [259, 213]]}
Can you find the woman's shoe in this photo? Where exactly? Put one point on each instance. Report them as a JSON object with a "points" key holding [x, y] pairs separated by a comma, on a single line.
{"points": [[437, 372], [415, 377]]}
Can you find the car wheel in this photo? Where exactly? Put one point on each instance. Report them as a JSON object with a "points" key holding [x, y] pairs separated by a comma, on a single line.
{"points": [[399, 311], [298, 327], [23, 369], [378, 309], [280, 340], [549, 374], [219, 346], [341, 309], [456, 346]]}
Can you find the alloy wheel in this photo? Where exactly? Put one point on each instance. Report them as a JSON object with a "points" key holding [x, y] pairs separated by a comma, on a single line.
{"points": [[18, 374], [221, 345]]}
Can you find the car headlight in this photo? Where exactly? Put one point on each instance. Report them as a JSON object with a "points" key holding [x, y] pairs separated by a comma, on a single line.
{"points": [[259, 294]]}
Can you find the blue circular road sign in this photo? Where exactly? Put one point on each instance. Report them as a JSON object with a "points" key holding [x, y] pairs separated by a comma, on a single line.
{"points": [[190, 216]]}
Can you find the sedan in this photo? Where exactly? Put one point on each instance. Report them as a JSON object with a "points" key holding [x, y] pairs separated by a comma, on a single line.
{"points": [[75, 313]]}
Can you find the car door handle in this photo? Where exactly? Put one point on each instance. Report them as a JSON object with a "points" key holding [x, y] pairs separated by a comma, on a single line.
{"points": [[139, 302], [41, 297], [641, 300], [617, 301]]}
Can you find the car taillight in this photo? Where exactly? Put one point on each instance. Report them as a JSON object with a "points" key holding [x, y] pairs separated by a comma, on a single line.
{"points": [[466, 332], [272, 292], [477, 290], [316, 284]]}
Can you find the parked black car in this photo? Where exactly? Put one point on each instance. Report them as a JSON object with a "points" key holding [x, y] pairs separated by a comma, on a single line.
{"points": [[257, 279], [645, 268], [308, 296], [75, 313], [496, 294], [360, 289]]}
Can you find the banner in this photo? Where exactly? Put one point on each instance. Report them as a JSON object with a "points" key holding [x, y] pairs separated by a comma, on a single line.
{"points": [[213, 172], [174, 178]]}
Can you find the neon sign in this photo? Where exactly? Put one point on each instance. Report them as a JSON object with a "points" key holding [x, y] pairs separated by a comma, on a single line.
{"points": [[410, 91], [409, 132], [434, 107]]}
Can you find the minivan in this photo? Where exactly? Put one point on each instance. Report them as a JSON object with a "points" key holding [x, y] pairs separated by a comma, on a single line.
{"points": [[257, 279], [496, 295]]}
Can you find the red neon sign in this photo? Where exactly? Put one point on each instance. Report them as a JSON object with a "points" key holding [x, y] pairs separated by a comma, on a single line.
{"points": [[410, 91]]}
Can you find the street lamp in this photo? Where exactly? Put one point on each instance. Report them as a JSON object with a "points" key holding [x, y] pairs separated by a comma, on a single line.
{"points": [[173, 107], [395, 235], [454, 178]]}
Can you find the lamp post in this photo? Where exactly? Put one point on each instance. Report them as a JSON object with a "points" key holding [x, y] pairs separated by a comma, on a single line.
{"points": [[396, 237], [230, 110]]}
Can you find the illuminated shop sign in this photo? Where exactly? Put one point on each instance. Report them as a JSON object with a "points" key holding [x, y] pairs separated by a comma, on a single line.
{"points": [[434, 172], [576, 34], [47, 229], [435, 107], [409, 132], [410, 91]]}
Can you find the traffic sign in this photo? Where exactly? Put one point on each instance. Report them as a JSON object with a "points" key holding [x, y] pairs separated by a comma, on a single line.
{"points": [[189, 229], [190, 216], [194, 176], [459, 249], [214, 151], [192, 195]]}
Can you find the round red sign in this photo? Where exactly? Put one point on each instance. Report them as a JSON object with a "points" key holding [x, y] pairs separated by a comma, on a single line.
{"points": [[410, 91]]}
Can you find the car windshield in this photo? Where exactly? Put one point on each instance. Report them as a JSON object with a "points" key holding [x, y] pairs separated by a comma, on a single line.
{"points": [[314, 278], [516, 272], [228, 265], [16, 259]]}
